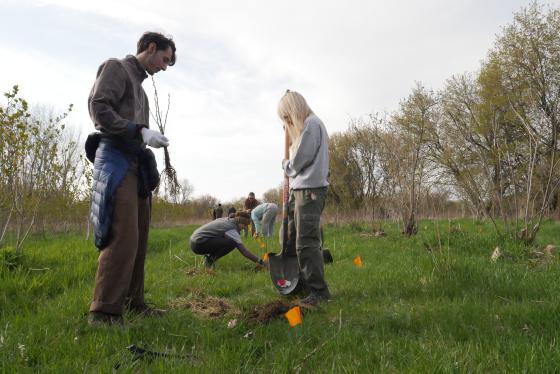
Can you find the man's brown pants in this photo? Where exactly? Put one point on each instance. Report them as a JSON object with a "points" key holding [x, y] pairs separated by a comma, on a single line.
{"points": [[120, 273]]}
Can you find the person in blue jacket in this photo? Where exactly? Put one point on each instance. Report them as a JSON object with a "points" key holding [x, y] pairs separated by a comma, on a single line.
{"points": [[264, 217]]}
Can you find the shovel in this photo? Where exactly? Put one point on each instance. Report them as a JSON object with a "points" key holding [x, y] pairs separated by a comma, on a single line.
{"points": [[284, 268]]}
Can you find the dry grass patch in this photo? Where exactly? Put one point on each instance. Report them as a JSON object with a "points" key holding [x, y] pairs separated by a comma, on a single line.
{"points": [[200, 271], [204, 305]]}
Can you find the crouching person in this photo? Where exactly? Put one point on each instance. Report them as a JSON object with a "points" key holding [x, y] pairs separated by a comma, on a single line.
{"points": [[221, 236]]}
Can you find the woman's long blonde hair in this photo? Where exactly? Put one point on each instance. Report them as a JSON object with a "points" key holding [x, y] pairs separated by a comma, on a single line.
{"points": [[294, 107]]}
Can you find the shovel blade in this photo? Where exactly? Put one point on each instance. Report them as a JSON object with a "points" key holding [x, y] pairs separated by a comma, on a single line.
{"points": [[284, 268]]}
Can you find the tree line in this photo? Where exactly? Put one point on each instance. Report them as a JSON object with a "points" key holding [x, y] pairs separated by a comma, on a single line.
{"points": [[488, 139]]}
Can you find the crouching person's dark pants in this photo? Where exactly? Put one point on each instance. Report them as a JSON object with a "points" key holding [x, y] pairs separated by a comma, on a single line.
{"points": [[308, 205], [214, 247], [120, 272]]}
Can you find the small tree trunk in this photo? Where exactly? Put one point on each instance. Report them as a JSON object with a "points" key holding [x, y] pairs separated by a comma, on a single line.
{"points": [[410, 228]]}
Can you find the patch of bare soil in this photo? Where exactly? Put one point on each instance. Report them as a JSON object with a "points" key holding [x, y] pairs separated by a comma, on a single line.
{"points": [[263, 314]]}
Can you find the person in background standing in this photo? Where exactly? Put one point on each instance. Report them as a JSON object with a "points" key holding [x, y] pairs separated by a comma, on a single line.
{"points": [[218, 212], [250, 203]]}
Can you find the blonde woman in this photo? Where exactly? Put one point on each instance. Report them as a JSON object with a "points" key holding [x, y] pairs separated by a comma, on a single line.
{"points": [[308, 168]]}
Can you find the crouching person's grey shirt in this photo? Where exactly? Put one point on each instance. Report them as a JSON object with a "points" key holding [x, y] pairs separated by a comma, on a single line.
{"points": [[219, 228]]}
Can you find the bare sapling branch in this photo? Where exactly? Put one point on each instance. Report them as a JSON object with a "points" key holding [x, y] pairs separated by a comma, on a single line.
{"points": [[169, 174]]}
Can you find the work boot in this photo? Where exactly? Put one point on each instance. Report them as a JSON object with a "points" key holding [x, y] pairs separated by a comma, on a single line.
{"points": [[209, 261], [101, 319], [315, 298], [146, 310]]}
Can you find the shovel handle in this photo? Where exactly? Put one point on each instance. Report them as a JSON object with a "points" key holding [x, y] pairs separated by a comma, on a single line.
{"points": [[286, 192], [286, 143]]}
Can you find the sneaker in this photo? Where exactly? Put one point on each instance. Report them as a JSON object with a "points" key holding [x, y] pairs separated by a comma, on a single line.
{"points": [[314, 299], [209, 261], [146, 310], [100, 319]]}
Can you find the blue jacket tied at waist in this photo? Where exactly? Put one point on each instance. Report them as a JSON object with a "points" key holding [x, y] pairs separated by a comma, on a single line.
{"points": [[110, 168]]}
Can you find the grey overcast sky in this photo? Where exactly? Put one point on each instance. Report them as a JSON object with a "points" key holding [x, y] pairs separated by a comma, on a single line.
{"points": [[235, 60]]}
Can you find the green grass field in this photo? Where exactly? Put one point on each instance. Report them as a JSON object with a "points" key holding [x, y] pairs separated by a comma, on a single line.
{"points": [[431, 303]]}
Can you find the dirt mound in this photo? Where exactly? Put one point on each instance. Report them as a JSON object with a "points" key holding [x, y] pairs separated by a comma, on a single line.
{"points": [[263, 314]]}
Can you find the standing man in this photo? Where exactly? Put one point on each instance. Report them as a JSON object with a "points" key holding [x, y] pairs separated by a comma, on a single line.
{"points": [[218, 212], [250, 203], [120, 212]]}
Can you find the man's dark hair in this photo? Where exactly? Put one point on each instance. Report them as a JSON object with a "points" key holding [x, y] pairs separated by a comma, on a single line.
{"points": [[162, 42]]}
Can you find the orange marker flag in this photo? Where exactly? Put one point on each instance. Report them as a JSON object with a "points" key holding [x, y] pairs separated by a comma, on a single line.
{"points": [[294, 316], [358, 261], [265, 257]]}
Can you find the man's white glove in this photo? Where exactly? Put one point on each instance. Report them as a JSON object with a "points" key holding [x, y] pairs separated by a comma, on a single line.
{"points": [[154, 138]]}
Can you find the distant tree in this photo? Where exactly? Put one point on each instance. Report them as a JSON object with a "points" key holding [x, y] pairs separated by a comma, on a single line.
{"points": [[356, 178], [203, 205], [406, 151], [274, 195], [344, 179], [527, 56], [466, 140], [184, 191], [30, 151]]}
